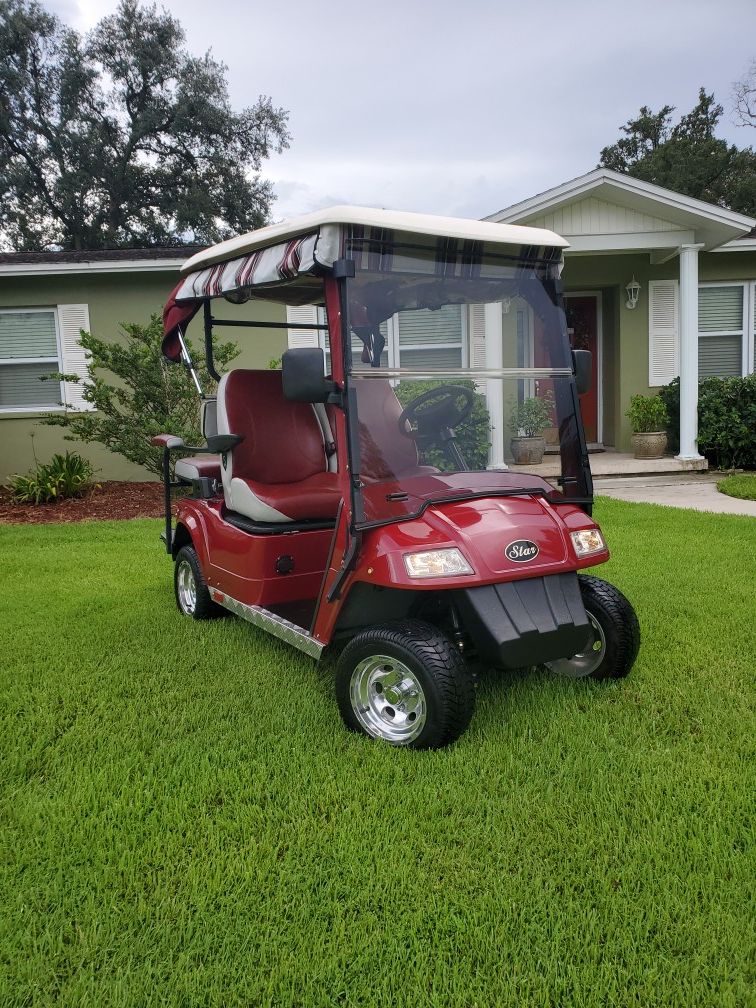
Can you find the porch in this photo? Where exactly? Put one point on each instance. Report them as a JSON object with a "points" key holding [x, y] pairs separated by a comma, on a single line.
{"points": [[632, 285], [616, 463]]}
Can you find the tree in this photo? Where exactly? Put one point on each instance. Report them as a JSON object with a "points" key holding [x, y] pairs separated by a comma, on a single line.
{"points": [[744, 94], [150, 396], [123, 138], [686, 156]]}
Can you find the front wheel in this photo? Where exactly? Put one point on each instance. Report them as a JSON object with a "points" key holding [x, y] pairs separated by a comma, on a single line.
{"points": [[405, 683], [615, 635]]}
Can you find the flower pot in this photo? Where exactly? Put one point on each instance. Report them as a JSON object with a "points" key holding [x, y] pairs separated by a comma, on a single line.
{"points": [[551, 434], [649, 445], [528, 450]]}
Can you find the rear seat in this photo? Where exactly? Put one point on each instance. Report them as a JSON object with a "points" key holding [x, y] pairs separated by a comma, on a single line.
{"points": [[209, 467]]}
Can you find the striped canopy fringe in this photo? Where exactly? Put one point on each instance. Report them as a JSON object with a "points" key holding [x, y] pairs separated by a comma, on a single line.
{"points": [[264, 266]]}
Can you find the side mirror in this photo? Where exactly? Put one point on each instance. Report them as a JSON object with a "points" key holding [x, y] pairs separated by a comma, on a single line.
{"points": [[303, 372], [582, 366]]}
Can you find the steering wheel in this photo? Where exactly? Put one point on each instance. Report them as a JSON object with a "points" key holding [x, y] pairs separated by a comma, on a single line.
{"points": [[438, 409]]}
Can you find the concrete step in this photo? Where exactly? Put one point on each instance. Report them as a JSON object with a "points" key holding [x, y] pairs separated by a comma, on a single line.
{"points": [[616, 482], [619, 464]]}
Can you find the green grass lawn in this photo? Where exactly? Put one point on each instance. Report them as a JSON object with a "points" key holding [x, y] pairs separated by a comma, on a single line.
{"points": [[742, 485], [186, 822]]}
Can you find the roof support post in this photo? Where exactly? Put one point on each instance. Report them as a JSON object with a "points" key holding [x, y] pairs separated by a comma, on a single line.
{"points": [[494, 387], [689, 353]]}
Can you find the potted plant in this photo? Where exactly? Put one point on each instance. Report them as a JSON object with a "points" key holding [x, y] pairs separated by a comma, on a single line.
{"points": [[648, 417], [530, 418]]}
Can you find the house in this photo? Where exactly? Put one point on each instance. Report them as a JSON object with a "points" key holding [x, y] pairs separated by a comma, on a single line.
{"points": [[657, 285], [691, 270], [46, 299]]}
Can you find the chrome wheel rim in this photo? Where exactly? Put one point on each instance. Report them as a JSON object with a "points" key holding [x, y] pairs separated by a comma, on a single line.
{"points": [[187, 587], [585, 662], [388, 699]]}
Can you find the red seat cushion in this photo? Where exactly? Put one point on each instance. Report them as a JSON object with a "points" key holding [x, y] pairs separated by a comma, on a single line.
{"points": [[282, 460], [317, 496], [198, 467]]}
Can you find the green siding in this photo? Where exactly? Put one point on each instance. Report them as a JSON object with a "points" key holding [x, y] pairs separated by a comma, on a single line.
{"points": [[113, 298]]}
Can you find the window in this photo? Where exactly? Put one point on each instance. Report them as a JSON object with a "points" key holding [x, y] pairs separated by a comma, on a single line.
{"points": [[40, 341], [726, 327], [722, 334], [415, 339], [428, 339], [28, 350]]}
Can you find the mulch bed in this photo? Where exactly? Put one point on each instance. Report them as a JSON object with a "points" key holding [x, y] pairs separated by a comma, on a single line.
{"points": [[106, 502]]}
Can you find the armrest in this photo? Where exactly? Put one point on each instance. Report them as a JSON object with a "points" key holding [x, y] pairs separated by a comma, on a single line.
{"points": [[167, 441], [216, 444], [222, 443]]}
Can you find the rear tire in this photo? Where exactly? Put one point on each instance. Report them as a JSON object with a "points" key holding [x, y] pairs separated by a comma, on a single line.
{"points": [[192, 595], [616, 635], [406, 684]]}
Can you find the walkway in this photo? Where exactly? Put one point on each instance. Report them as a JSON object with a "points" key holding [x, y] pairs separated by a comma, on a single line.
{"points": [[652, 481], [685, 490]]}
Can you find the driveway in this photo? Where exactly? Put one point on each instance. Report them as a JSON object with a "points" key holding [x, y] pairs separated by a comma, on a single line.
{"points": [[685, 490]]}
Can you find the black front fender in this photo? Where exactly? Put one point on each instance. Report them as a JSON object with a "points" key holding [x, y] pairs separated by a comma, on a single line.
{"points": [[528, 622]]}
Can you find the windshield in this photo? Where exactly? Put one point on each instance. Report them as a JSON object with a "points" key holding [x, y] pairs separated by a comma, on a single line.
{"points": [[463, 378]]}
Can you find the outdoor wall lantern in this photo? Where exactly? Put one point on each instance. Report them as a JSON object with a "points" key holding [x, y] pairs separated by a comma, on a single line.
{"points": [[633, 290]]}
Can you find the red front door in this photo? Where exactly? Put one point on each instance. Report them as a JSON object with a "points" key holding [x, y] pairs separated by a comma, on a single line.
{"points": [[582, 324]]}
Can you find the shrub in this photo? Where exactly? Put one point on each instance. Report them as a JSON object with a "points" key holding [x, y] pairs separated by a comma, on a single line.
{"points": [[64, 476], [149, 395], [726, 420], [532, 416], [473, 434], [647, 414]]}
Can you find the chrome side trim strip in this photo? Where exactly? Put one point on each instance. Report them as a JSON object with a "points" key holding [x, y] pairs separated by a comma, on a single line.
{"points": [[270, 622]]}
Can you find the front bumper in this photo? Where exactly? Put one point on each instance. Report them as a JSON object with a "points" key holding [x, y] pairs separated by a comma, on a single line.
{"points": [[520, 623]]}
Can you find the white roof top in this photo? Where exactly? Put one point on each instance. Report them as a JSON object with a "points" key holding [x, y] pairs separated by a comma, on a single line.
{"points": [[712, 224], [394, 220]]}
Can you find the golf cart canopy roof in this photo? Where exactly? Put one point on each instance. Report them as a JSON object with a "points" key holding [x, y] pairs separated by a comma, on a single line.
{"points": [[284, 262]]}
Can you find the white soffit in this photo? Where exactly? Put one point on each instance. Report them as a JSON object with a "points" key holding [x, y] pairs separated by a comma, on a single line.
{"points": [[604, 203], [741, 245]]}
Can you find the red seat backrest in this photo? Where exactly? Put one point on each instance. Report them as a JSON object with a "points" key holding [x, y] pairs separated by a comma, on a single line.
{"points": [[282, 442]]}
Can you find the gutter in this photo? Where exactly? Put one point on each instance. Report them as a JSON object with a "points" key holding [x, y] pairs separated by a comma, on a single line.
{"points": [[106, 266]]}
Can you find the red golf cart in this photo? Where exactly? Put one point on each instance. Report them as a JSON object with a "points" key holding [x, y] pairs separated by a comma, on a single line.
{"points": [[364, 498]]}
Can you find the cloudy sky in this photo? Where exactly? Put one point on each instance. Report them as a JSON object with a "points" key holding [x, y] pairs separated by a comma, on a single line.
{"points": [[458, 108]]}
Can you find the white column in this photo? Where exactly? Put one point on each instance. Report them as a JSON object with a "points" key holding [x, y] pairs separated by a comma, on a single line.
{"points": [[495, 388], [689, 353]]}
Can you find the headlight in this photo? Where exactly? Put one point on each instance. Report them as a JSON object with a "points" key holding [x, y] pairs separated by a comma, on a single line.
{"points": [[587, 541], [436, 563]]}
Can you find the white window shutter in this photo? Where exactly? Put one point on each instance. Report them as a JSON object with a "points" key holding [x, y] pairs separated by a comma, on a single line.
{"points": [[72, 318], [477, 331], [302, 315], [663, 332]]}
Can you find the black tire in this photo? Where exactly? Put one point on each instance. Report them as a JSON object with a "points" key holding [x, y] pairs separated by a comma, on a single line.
{"points": [[186, 569], [419, 655], [616, 638]]}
